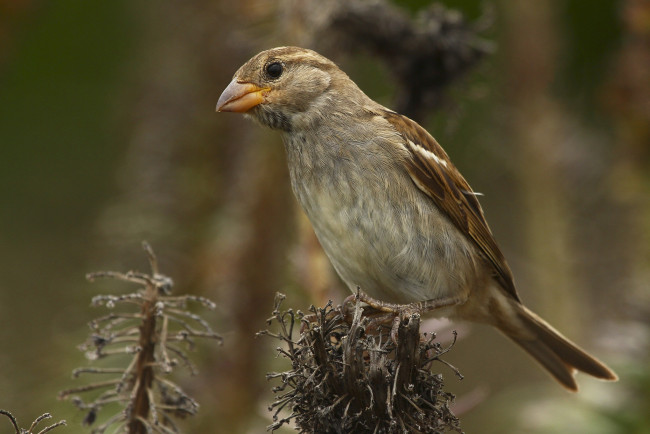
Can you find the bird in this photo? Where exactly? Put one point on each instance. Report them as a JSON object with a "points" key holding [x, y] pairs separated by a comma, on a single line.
{"points": [[393, 214]]}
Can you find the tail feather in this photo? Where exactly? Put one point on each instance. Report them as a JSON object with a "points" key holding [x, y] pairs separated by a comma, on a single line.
{"points": [[561, 371], [557, 354]]}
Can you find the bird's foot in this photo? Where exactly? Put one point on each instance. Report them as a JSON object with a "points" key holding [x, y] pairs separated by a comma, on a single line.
{"points": [[388, 316]]}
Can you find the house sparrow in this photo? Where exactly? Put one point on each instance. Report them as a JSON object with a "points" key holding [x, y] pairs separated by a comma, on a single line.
{"points": [[393, 214]]}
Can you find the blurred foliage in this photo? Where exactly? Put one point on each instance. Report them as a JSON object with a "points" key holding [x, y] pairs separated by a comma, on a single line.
{"points": [[108, 137]]}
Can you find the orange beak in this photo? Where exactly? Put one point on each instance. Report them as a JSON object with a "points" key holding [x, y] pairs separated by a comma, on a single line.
{"points": [[240, 97]]}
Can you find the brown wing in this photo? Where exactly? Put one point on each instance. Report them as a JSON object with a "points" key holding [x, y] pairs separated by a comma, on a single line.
{"points": [[433, 172]]}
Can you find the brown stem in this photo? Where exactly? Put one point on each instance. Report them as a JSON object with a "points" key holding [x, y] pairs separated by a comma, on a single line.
{"points": [[144, 366]]}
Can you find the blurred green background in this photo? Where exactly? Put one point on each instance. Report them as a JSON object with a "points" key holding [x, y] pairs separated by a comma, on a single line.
{"points": [[108, 136]]}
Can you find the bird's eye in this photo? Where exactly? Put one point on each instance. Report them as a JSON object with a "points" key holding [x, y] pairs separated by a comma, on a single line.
{"points": [[274, 70]]}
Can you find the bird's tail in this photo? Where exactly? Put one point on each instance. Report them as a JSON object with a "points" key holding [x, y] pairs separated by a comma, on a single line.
{"points": [[557, 354]]}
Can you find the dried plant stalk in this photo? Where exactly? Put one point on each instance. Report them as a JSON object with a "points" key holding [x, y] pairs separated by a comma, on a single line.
{"points": [[34, 424], [160, 326], [343, 379]]}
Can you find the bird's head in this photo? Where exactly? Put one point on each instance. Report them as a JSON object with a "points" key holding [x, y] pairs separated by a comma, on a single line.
{"points": [[285, 88]]}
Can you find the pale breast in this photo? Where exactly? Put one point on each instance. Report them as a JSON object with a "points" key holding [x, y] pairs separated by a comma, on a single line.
{"points": [[378, 231]]}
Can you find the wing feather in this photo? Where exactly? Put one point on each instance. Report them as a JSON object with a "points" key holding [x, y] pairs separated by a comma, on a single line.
{"points": [[432, 172]]}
